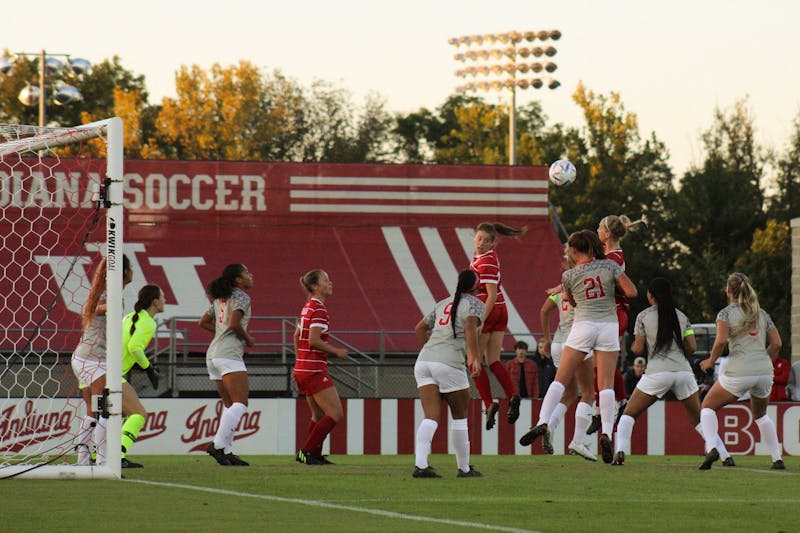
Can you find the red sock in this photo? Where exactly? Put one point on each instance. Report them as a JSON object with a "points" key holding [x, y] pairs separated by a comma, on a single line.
{"points": [[501, 373], [317, 436], [484, 387], [311, 425]]}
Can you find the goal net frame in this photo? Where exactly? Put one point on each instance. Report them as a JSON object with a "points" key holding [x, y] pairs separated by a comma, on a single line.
{"points": [[58, 465]]}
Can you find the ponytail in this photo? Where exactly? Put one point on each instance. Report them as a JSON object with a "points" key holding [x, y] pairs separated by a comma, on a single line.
{"points": [[669, 327], [147, 294], [467, 280], [222, 287], [747, 299], [618, 225]]}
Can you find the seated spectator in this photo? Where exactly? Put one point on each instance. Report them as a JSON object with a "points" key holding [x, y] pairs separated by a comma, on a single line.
{"points": [[781, 370], [523, 372], [634, 374]]}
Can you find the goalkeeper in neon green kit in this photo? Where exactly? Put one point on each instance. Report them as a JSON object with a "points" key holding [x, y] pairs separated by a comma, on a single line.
{"points": [[138, 329]]}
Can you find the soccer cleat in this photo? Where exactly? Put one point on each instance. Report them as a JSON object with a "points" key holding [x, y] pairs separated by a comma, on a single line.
{"points": [[605, 449], [595, 425], [491, 415], [582, 450], [428, 471], [619, 458], [710, 458], [324, 460], [308, 459], [728, 462], [778, 465], [547, 442], [235, 460], [471, 473], [130, 464], [534, 433], [513, 408], [218, 454]]}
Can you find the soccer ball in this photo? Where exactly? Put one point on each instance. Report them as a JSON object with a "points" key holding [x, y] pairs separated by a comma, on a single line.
{"points": [[562, 172]]}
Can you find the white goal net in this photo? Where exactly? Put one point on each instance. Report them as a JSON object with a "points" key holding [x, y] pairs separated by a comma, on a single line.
{"points": [[60, 213]]}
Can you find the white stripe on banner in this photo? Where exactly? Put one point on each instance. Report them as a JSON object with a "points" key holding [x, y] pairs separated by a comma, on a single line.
{"points": [[414, 196], [374, 182], [516, 325], [389, 427], [441, 259], [408, 268], [656, 428], [355, 426], [488, 210], [522, 426]]}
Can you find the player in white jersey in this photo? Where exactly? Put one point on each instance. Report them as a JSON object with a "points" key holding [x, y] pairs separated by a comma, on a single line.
{"points": [[449, 333], [665, 334], [227, 318], [590, 287], [753, 341], [89, 362]]}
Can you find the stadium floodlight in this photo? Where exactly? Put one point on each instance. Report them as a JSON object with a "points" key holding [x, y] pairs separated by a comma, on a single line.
{"points": [[512, 73], [49, 66]]}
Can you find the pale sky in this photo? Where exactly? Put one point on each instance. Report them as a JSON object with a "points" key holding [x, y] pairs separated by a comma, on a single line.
{"points": [[672, 62]]}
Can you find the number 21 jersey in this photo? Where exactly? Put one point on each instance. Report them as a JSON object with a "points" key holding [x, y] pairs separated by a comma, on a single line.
{"points": [[592, 287]]}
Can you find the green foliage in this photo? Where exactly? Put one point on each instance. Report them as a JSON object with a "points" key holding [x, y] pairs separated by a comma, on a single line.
{"points": [[786, 204]]}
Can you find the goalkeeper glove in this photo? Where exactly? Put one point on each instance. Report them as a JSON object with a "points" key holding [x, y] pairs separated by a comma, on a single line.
{"points": [[152, 375]]}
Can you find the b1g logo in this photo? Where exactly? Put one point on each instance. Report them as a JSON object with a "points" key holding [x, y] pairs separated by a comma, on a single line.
{"points": [[739, 430]]}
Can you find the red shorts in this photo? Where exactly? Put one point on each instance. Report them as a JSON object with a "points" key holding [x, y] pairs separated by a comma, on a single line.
{"points": [[497, 320], [309, 383], [622, 318]]}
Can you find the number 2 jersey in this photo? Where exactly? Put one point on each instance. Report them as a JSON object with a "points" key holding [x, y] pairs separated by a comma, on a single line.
{"points": [[487, 266], [310, 360], [592, 287], [442, 346]]}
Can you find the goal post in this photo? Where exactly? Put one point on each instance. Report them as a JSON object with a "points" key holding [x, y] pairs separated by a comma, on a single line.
{"points": [[61, 194]]}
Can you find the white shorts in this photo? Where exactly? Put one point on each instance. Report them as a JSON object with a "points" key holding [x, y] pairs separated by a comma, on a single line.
{"points": [[556, 349], [586, 336], [757, 386], [682, 383], [218, 367], [448, 378], [88, 370]]}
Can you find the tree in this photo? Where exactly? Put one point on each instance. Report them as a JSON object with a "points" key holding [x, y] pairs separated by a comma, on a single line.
{"points": [[786, 203]]}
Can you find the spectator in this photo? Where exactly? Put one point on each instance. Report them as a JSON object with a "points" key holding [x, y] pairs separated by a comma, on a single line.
{"points": [[793, 386], [781, 370], [523, 371], [547, 369], [634, 374]]}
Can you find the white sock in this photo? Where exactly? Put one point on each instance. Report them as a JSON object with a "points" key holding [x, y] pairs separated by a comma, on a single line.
{"points": [[624, 432], [583, 417], [425, 432], [607, 404], [223, 440], [720, 446], [460, 438], [84, 440], [557, 416], [99, 438], [708, 419], [770, 436], [551, 399]]}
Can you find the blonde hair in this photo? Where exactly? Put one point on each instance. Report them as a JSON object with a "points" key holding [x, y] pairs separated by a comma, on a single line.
{"points": [[618, 225], [747, 299]]}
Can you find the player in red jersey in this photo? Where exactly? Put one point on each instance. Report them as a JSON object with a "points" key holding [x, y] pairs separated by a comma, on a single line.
{"points": [[495, 318], [311, 367]]}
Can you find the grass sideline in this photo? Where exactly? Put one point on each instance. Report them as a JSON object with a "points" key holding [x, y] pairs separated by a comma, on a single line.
{"points": [[377, 493]]}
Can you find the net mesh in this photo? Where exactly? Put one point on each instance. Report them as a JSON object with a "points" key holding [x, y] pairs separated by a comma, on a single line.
{"points": [[52, 230]]}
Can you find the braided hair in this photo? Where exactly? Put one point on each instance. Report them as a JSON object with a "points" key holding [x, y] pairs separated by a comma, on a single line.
{"points": [[147, 294], [467, 280], [669, 328]]}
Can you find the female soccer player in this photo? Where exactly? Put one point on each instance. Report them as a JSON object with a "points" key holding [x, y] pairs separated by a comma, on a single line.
{"points": [[589, 286], [138, 329], [487, 265], [753, 340], [311, 367], [448, 334], [227, 318], [667, 335], [89, 362]]}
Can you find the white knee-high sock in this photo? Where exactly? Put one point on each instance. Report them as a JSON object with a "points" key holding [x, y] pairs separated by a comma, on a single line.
{"points": [[624, 432], [583, 417], [770, 436], [557, 416], [460, 437], [708, 419], [553, 396], [720, 446], [425, 432], [84, 440], [99, 438], [607, 405], [223, 440]]}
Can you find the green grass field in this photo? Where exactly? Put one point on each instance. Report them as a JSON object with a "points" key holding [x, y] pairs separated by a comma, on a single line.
{"points": [[377, 493]]}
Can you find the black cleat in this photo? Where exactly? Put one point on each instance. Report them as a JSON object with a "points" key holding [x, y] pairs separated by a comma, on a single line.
{"points": [[513, 408], [547, 443], [605, 449], [130, 464], [235, 460], [728, 462], [619, 458], [218, 454], [534, 433], [428, 471], [710, 458], [308, 459], [778, 465], [595, 425], [472, 473], [491, 415], [324, 460]]}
